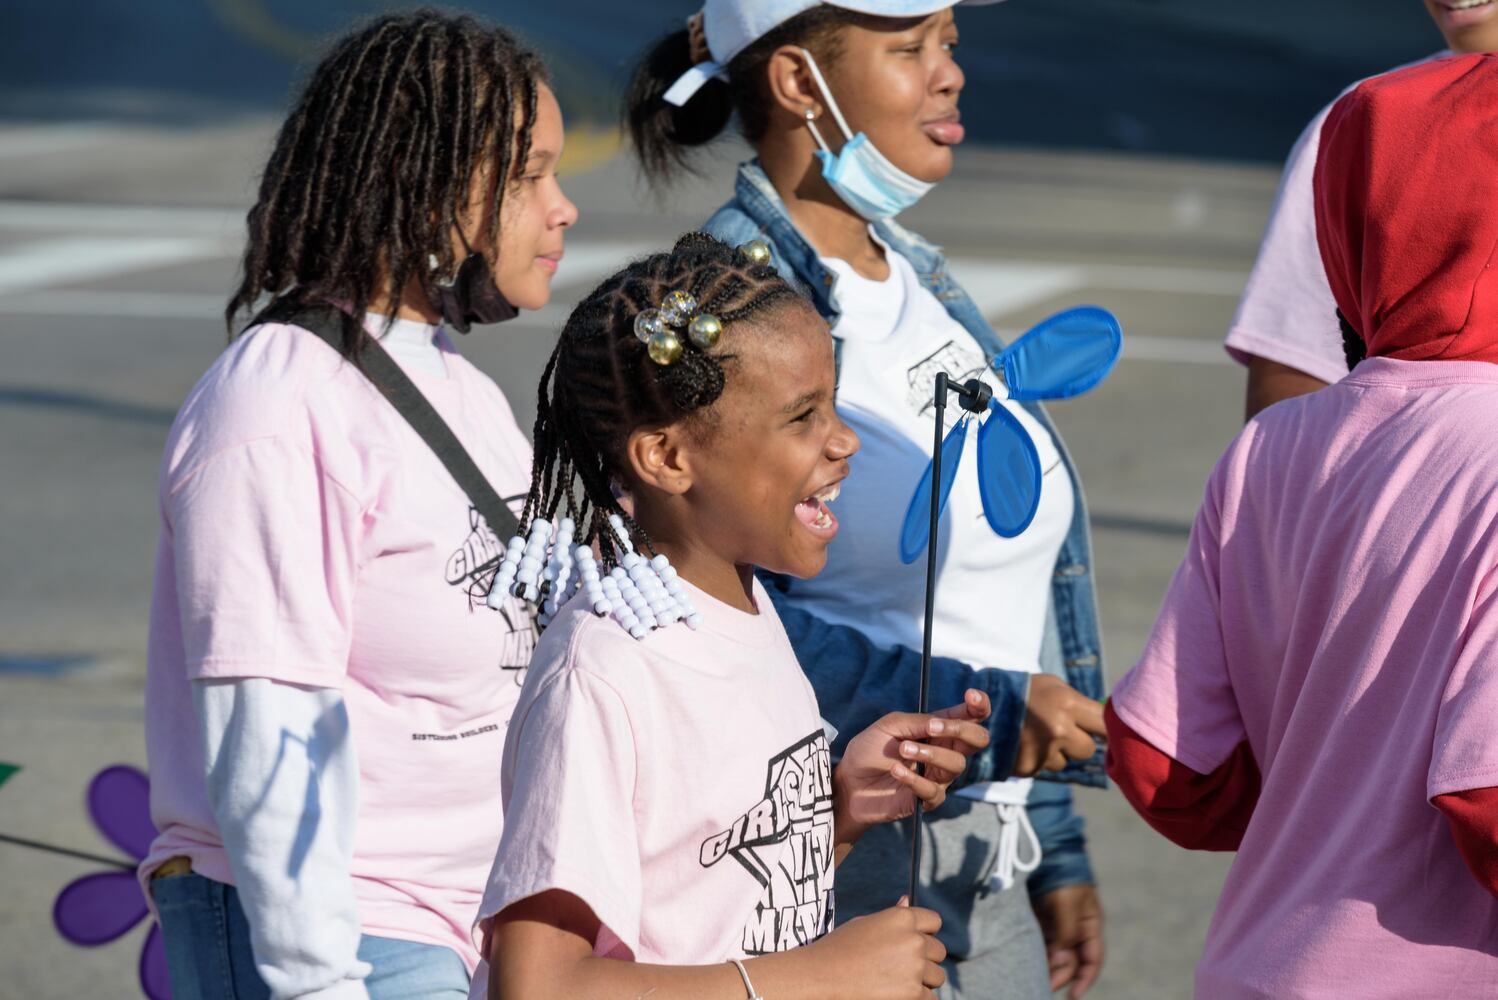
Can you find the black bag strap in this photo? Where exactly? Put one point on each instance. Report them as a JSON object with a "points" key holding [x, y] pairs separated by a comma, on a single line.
{"points": [[326, 322]]}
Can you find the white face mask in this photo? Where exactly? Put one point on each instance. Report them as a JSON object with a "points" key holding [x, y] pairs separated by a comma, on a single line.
{"points": [[859, 174]]}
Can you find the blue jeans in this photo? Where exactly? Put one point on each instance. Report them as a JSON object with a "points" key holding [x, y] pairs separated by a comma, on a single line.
{"points": [[208, 953]]}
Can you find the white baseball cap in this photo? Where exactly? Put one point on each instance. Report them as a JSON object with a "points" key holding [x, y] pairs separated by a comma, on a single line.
{"points": [[731, 26]]}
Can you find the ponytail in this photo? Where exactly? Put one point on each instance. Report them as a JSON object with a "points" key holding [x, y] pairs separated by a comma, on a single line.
{"points": [[666, 138], [664, 135]]}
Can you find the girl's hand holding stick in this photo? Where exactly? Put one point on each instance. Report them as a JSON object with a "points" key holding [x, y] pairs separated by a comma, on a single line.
{"points": [[902, 758]]}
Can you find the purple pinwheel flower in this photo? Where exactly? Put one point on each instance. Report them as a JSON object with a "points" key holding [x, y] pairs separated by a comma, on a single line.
{"points": [[103, 907]]}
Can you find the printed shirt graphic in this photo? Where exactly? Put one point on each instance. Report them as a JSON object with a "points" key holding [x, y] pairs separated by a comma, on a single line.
{"points": [[311, 537], [472, 568], [681, 786], [785, 841], [992, 592]]}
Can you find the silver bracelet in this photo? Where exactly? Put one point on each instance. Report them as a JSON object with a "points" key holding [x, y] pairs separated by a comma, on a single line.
{"points": [[744, 974]]}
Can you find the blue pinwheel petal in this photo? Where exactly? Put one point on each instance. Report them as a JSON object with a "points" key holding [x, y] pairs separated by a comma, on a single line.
{"points": [[119, 800], [97, 909], [916, 531], [1008, 473], [1062, 356], [154, 980]]}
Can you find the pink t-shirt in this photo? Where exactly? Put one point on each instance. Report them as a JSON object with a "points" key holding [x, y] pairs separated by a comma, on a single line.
{"points": [[1287, 313], [1338, 609], [680, 785], [310, 537]]}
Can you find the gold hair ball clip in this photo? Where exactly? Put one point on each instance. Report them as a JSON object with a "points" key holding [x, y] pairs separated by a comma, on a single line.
{"points": [[756, 252], [656, 328]]}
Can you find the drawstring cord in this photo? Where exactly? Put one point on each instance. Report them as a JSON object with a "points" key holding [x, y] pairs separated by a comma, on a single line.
{"points": [[1017, 837]]}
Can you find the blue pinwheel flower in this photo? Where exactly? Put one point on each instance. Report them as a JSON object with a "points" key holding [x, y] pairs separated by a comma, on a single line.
{"points": [[1063, 356], [103, 907]]}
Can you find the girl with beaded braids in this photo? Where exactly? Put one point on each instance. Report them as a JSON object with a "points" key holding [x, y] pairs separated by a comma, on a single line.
{"points": [[851, 107], [672, 816], [323, 689]]}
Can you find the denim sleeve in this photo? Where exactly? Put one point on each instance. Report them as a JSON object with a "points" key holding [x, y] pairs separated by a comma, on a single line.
{"points": [[1063, 840], [857, 682]]}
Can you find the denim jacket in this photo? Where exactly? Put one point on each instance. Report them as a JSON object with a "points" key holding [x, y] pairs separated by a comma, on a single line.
{"points": [[857, 681]]}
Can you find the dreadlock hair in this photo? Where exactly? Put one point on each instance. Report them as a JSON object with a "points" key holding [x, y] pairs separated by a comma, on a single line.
{"points": [[666, 138], [1353, 347], [372, 171], [601, 384]]}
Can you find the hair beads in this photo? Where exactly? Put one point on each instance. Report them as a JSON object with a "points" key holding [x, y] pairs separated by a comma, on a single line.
{"points": [[640, 594], [605, 379]]}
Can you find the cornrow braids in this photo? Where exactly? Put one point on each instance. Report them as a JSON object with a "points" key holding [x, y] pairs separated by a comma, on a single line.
{"points": [[374, 167], [600, 383]]}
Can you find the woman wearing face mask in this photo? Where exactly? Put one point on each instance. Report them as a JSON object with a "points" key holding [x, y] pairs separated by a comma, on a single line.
{"points": [[325, 688], [852, 111]]}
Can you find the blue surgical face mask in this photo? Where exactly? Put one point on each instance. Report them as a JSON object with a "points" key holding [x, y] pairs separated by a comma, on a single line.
{"points": [[859, 174]]}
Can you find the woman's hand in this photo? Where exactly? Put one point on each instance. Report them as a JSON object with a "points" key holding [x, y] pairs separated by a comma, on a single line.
{"points": [[1060, 723], [1072, 920], [877, 782]]}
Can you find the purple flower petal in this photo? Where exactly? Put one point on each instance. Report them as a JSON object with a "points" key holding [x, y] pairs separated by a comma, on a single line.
{"points": [[96, 909], [119, 800], [153, 975]]}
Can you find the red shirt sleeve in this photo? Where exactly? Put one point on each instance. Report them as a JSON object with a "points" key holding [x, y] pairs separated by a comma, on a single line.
{"points": [[1473, 818], [1200, 812]]}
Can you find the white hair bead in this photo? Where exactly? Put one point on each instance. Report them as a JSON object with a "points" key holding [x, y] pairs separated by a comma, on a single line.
{"points": [[629, 620], [636, 603], [559, 568], [617, 523], [548, 567], [527, 578]]}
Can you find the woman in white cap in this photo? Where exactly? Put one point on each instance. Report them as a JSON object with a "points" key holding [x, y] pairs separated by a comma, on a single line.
{"points": [[852, 111]]}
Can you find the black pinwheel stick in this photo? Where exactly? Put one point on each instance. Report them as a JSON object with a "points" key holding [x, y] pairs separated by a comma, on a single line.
{"points": [[974, 396]]}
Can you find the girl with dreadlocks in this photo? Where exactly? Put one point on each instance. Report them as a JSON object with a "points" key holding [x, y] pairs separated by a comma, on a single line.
{"points": [[669, 796], [322, 690]]}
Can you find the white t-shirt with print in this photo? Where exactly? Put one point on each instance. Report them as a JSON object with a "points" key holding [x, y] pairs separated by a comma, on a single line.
{"points": [[992, 592]]}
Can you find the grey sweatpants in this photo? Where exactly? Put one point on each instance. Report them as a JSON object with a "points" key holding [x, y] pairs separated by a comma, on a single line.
{"points": [[995, 949]]}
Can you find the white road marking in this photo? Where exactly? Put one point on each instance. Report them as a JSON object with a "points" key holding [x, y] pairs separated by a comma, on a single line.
{"points": [[53, 216], [587, 262], [122, 304], [1176, 350], [73, 260], [1002, 287], [1172, 280], [41, 140], [999, 287]]}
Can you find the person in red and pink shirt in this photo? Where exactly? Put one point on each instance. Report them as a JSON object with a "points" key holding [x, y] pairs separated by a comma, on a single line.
{"points": [[325, 688], [1320, 692], [1284, 331]]}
